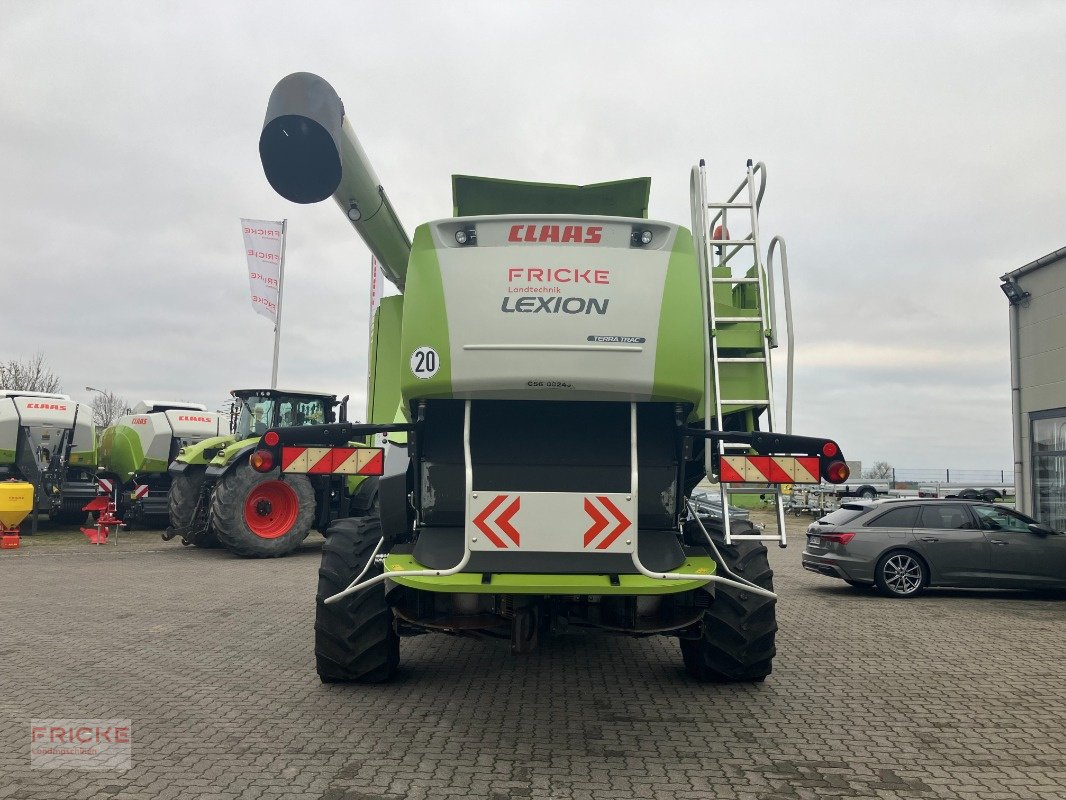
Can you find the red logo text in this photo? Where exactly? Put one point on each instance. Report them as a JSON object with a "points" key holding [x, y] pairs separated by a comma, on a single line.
{"points": [[564, 234], [558, 275]]}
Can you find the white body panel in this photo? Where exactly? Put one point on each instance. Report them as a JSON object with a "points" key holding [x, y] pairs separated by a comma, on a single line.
{"points": [[156, 431], [578, 319], [45, 416], [579, 523], [148, 406]]}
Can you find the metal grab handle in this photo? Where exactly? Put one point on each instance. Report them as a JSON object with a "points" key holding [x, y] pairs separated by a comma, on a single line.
{"points": [[930, 539], [790, 347]]}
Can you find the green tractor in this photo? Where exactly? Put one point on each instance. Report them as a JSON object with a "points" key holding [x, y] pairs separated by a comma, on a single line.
{"points": [[557, 376], [216, 499]]}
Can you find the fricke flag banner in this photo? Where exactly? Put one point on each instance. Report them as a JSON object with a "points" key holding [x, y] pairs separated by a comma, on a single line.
{"points": [[263, 241]]}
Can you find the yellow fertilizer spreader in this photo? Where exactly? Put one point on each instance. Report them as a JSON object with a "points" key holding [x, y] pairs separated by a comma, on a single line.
{"points": [[16, 501]]}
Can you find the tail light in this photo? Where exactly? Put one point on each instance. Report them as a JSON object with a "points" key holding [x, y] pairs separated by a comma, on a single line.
{"points": [[837, 538], [830, 449], [262, 461], [837, 472], [271, 438]]}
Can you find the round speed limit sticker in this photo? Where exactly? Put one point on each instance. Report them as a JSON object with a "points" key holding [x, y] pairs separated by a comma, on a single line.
{"points": [[425, 362]]}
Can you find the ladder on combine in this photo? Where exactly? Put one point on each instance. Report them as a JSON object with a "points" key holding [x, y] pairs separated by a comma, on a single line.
{"points": [[739, 317]]}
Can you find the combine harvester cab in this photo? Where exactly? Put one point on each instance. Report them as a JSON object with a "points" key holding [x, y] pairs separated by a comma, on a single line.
{"points": [[568, 371], [137, 450], [217, 499], [49, 441]]}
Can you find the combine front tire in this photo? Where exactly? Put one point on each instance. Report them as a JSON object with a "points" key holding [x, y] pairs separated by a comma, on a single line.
{"points": [[259, 515], [182, 500], [737, 641], [355, 640]]}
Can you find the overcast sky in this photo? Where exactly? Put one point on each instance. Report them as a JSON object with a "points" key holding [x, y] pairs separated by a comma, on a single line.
{"points": [[914, 151]]}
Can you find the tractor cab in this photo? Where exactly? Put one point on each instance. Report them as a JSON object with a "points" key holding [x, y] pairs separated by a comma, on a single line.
{"points": [[257, 410]]}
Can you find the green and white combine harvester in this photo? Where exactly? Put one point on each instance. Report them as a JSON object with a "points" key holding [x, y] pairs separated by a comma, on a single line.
{"points": [[49, 441], [556, 376], [136, 452], [216, 499]]}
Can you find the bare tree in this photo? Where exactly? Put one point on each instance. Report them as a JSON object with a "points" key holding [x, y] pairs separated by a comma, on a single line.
{"points": [[107, 407], [31, 375], [881, 470]]}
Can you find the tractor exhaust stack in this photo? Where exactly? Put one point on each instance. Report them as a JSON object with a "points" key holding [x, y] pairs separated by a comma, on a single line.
{"points": [[310, 152]]}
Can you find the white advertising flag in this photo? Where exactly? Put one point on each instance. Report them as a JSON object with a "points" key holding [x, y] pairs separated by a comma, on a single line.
{"points": [[263, 244]]}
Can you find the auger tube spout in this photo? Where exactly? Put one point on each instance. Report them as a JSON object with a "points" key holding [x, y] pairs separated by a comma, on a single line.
{"points": [[310, 152]]}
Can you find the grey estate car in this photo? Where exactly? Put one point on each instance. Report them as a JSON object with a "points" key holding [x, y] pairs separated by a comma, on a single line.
{"points": [[905, 545]]}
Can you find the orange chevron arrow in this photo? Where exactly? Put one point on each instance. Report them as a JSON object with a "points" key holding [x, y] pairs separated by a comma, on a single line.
{"points": [[481, 520], [623, 523], [598, 524], [504, 520]]}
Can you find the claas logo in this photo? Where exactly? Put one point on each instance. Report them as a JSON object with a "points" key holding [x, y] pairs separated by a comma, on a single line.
{"points": [[189, 418], [564, 234], [47, 406]]}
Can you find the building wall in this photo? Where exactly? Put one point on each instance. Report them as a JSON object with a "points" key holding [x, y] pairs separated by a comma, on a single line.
{"points": [[1041, 356]]}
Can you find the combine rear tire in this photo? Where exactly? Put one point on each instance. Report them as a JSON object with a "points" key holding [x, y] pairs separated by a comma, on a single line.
{"points": [[182, 498], [737, 642], [355, 639], [259, 515]]}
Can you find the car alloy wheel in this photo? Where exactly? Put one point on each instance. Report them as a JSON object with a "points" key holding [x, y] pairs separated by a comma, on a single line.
{"points": [[902, 575]]}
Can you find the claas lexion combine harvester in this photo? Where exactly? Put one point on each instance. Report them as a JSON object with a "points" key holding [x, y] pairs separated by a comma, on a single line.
{"points": [[556, 376]]}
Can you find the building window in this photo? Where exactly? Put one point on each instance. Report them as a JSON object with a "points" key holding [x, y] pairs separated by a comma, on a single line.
{"points": [[1049, 467]]}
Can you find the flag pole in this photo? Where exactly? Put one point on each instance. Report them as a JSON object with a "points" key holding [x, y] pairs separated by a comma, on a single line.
{"points": [[277, 322]]}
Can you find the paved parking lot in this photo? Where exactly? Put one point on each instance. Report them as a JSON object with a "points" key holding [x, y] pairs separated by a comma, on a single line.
{"points": [[953, 695]]}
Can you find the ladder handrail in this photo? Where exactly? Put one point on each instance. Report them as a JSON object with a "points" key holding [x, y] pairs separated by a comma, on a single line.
{"points": [[697, 192], [790, 346]]}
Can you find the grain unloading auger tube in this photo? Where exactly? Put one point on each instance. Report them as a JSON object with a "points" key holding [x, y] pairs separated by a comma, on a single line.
{"points": [[579, 521]]}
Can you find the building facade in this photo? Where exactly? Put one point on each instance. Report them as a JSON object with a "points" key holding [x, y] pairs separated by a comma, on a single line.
{"points": [[1037, 296]]}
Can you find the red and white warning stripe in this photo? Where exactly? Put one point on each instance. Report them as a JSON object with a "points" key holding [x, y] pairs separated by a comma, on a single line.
{"points": [[769, 469], [139, 492], [333, 460], [105, 485]]}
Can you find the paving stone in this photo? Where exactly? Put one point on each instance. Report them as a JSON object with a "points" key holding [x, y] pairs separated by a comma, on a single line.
{"points": [[957, 694]]}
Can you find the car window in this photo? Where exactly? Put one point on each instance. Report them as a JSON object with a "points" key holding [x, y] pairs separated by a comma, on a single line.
{"points": [[904, 517], [841, 516], [1000, 519], [945, 517]]}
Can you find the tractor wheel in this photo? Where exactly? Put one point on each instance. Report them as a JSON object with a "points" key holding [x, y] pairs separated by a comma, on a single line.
{"points": [[70, 512], [355, 639], [737, 641], [182, 498], [259, 515]]}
